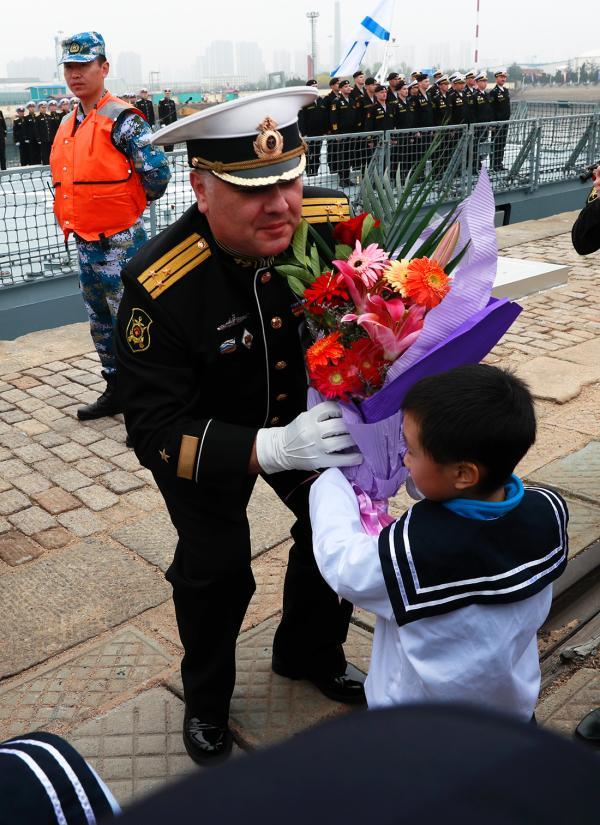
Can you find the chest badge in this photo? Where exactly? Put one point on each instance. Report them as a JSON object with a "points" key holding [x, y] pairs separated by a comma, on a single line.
{"points": [[232, 321], [247, 339], [138, 330], [228, 346]]}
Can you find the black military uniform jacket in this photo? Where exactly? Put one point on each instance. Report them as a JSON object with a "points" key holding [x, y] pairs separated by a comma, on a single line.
{"points": [[483, 107], [380, 119], [470, 104], [423, 109], [500, 102], [45, 126], [366, 104], [146, 107], [3, 131], [209, 350], [440, 108], [358, 94], [55, 119], [167, 111], [586, 229], [29, 131], [18, 134], [457, 106], [405, 118], [344, 115], [313, 119]]}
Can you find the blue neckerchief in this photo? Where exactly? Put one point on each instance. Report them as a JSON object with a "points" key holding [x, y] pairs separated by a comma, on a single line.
{"points": [[486, 510]]}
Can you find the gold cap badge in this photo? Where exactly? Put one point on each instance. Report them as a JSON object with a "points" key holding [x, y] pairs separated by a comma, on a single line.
{"points": [[269, 143]]}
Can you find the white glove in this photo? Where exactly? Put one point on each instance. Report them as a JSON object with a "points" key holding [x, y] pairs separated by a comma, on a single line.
{"points": [[313, 440]]}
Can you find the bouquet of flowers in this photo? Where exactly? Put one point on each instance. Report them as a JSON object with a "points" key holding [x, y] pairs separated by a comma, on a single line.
{"points": [[387, 307]]}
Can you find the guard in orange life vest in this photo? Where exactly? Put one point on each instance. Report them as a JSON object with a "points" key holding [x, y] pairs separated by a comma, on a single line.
{"points": [[118, 171]]}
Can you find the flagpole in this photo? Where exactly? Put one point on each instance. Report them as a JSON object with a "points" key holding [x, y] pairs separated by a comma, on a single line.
{"points": [[384, 63]]}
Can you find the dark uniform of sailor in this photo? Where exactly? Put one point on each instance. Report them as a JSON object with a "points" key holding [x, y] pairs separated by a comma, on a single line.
{"points": [[470, 92], [209, 351], [146, 107], [483, 114], [29, 134], [3, 133], [329, 101], [55, 119], [424, 118], [45, 132], [345, 117], [167, 113], [500, 103], [313, 121], [586, 229], [19, 138], [405, 119]]}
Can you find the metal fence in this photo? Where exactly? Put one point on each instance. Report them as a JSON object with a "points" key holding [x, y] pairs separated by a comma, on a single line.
{"points": [[552, 108], [521, 155]]}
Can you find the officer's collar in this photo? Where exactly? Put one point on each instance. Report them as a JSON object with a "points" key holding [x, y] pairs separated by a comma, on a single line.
{"points": [[244, 260]]}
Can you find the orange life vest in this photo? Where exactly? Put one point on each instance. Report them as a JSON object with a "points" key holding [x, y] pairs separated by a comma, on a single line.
{"points": [[97, 190]]}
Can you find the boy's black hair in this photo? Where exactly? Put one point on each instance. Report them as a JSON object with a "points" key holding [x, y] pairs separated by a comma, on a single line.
{"points": [[475, 413]]}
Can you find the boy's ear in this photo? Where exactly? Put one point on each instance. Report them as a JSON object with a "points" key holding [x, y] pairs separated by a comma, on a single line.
{"points": [[466, 475]]}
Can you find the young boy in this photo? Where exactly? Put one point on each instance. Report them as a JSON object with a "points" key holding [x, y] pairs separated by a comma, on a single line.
{"points": [[461, 583]]}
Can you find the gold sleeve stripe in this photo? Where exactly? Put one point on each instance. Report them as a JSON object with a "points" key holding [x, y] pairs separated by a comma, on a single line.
{"points": [[161, 286], [168, 256], [326, 218], [187, 457], [324, 201]]}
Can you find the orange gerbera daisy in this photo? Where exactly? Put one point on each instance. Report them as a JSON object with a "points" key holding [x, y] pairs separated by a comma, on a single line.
{"points": [[325, 351], [426, 282]]}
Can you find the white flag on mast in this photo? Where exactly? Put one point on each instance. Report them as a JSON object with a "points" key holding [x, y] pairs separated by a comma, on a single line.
{"points": [[375, 26]]}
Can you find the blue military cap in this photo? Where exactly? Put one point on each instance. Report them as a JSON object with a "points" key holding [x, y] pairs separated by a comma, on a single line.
{"points": [[82, 48]]}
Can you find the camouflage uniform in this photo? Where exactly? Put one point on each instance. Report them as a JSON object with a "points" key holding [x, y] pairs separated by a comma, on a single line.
{"points": [[100, 262]]}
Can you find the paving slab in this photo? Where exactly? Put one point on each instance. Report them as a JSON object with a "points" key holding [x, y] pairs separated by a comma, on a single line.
{"points": [[555, 379], [587, 353], [269, 572], [15, 548], [153, 537], [136, 747], [69, 597], [551, 442], [584, 525], [267, 708], [563, 710], [82, 684], [270, 520], [578, 473]]}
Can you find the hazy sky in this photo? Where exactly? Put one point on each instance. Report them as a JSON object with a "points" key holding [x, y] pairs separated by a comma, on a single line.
{"points": [[170, 34]]}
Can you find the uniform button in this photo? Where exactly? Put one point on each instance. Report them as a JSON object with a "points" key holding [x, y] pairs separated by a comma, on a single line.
{"points": [[67, 223], [66, 141], [276, 322], [275, 420], [265, 277], [65, 197], [64, 168], [281, 397], [280, 365]]}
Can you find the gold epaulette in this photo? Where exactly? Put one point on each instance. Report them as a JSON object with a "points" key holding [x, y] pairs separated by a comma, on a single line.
{"points": [[593, 195], [174, 264], [325, 210]]}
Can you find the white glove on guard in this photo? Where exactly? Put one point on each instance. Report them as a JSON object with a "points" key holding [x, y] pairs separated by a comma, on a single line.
{"points": [[313, 440]]}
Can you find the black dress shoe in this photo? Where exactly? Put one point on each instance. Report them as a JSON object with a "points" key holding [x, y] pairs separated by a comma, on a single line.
{"points": [[588, 730], [108, 403], [348, 687], [206, 744]]}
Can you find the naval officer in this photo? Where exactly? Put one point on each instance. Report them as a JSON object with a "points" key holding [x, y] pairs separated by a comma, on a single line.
{"points": [[214, 389]]}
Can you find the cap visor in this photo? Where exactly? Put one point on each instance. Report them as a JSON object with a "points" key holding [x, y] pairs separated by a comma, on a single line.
{"points": [[266, 175], [78, 58]]}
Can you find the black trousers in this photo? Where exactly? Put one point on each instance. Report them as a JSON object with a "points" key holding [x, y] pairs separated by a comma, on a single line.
{"points": [[314, 157], [45, 153], [213, 583], [2, 155], [500, 137]]}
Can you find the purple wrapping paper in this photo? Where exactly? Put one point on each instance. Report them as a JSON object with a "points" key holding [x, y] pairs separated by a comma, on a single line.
{"points": [[462, 329]]}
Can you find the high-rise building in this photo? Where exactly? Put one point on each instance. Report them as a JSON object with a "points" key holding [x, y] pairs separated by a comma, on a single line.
{"points": [[129, 67], [43, 68], [218, 60], [300, 63], [249, 61], [282, 61]]}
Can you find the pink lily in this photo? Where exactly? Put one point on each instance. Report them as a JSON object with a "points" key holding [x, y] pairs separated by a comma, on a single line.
{"points": [[390, 325]]}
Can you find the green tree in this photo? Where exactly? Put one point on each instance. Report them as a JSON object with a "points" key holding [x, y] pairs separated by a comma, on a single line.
{"points": [[515, 72]]}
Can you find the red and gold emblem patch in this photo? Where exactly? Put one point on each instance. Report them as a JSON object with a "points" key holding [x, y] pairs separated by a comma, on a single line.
{"points": [[138, 330]]}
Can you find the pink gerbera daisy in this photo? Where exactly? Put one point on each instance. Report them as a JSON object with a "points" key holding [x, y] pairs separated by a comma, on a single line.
{"points": [[367, 263]]}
